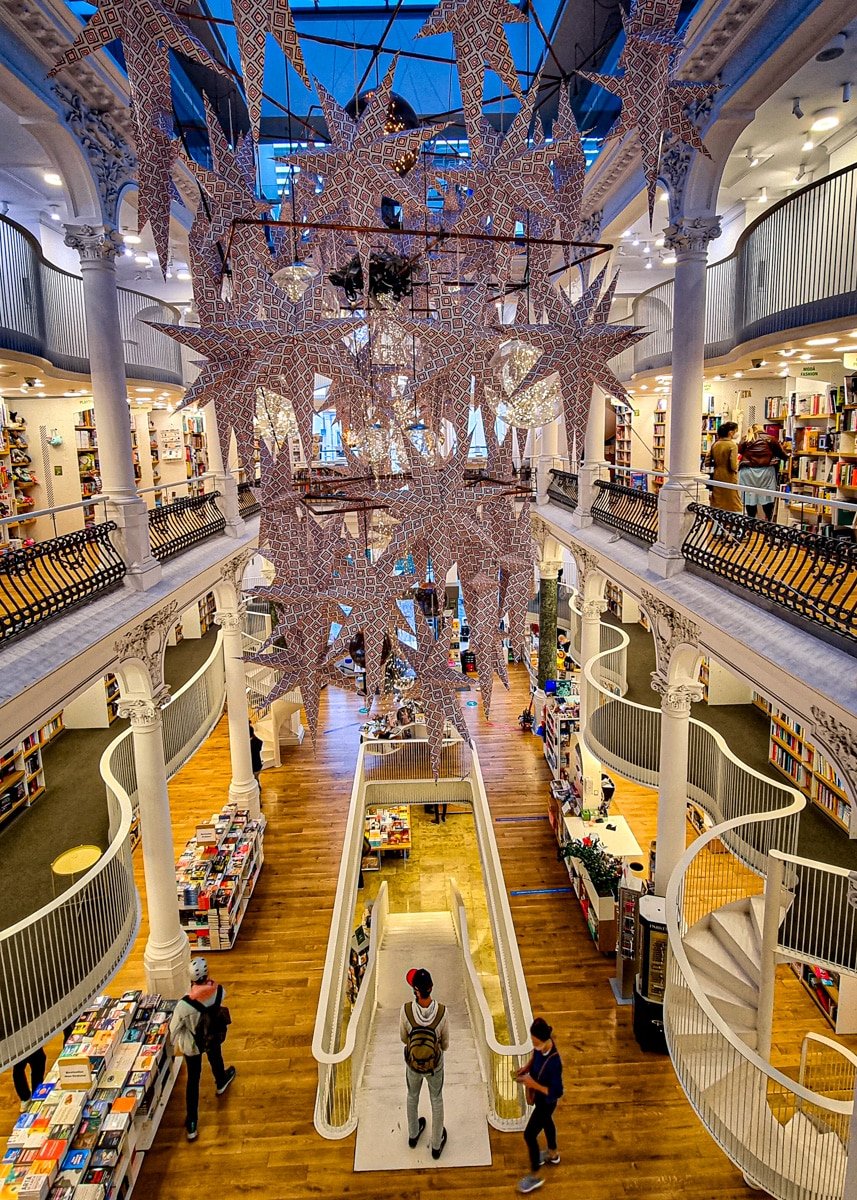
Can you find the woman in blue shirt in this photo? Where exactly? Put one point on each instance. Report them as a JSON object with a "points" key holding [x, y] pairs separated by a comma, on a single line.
{"points": [[542, 1077]]}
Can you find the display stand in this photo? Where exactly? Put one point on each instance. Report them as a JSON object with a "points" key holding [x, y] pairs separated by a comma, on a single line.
{"points": [[216, 875], [617, 839], [388, 828], [650, 984], [561, 720]]}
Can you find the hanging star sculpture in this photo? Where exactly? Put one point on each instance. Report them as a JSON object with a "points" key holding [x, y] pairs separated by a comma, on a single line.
{"points": [[577, 343], [148, 30], [439, 685], [481, 587], [654, 100], [254, 19], [371, 591], [304, 662], [480, 41]]}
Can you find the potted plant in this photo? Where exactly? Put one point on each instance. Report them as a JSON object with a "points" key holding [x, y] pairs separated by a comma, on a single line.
{"points": [[599, 871]]}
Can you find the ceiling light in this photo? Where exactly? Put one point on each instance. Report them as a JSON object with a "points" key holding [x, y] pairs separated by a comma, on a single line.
{"points": [[824, 120], [131, 239], [143, 260], [669, 260], [808, 144], [719, 376], [738, 374], [184, 275], [788, 353], [648, 264], [799, 174], [644, 387], [762, 197], [797, 111], [805, 357], [822, 341], [846, 93], [144, 389], [845, 350], [659, 242], [627, 233], [784, 373], [55, 215], [52, 178], [635, 242], [752, 159], [835, 48], [647, 249]]}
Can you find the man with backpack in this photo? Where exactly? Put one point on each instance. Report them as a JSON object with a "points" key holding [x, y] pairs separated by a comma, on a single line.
{"points": [[424, 1030], [198, 1027]]}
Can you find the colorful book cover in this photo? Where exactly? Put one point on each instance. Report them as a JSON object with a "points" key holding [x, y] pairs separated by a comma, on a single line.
{"points": [[76, 1160]]}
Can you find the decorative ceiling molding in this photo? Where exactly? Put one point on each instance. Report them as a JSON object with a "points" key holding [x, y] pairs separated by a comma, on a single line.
{"points": [[145, 644], [113, 162], [670, 629], [840, 741]]}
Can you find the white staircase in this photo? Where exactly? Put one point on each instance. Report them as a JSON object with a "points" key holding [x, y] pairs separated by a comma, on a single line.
{"points": [[420, 940], [281, 726], [724, 950]]}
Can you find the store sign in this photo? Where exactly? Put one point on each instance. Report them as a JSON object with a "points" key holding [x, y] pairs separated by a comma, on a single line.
{"points": [[75, 1073], [206, 835], [809, 372]]}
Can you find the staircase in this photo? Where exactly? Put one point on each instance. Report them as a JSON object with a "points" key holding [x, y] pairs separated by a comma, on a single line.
{"points": [[420, 940], [281, 726], [804, 1155]]}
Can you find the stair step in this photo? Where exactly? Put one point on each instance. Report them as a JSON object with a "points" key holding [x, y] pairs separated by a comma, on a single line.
{"points": [[731, 1007], [734, 927], [708, 953]]}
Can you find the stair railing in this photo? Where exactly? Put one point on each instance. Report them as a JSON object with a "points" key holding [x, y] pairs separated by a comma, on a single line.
{"points": [[507, 1106], [829, 1069], [820, 925]]}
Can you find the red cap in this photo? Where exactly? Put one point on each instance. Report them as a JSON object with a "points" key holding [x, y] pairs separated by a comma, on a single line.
{"points": [[410, 976]]}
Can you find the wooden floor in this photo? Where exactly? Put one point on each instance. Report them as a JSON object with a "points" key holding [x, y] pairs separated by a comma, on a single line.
{"points": [[626, 1130]]}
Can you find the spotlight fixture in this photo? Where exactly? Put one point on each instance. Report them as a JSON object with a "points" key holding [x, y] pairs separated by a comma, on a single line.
{"points": [[824, 120], [719, 377], [636, 241], [799, 174], [758, 362], [52, 178], [752, 159], [647, 249], [797, 111], [648, 264], [808, 144], [835, 48], [762, 197], [54, 213], [846, 93]]}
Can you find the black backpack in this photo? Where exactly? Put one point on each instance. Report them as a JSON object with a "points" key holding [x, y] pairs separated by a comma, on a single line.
{"points": [[214, 1021], [422, 1049]]}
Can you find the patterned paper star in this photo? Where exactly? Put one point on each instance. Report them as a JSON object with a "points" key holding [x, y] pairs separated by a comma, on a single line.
{"points": [[303, 663], [148, 30], [254, 19], [578, 343], [480, 41], [371, 592], [654, 100], [439, 685], [480, 585], [511, 533]]}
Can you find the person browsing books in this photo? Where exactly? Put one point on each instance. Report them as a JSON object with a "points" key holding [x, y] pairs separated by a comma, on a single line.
{"points": [[760, 457], [198, 1027], [542, 1077], [424, 1030]]}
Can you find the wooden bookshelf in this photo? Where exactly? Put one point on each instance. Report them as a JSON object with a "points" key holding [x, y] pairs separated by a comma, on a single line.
{"points": [[659, 439], [561, 720], [18, 481], [22, 774], [624, 422]]}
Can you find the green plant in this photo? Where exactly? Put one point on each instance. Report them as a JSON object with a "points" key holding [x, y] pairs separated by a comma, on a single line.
{"points": [[603, 869]]}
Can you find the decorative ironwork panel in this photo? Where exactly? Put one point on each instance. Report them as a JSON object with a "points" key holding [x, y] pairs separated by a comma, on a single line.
{"points": [[628, 509], [40, 582], [809, 574], [190, 519], [563, 488], [248, 505]]}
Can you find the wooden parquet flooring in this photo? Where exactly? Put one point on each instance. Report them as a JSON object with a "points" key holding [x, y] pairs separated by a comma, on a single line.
{"points": [[626, 1131]]}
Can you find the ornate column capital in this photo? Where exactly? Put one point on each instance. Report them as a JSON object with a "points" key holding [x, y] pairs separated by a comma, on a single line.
{"points": [[143, 713], [593, 610], [232, 570], [94, 243], [676, 698], [144, 645], [689, 236], [111, 159], [549, 568], [230, 620], [670, 629], [838, 739]]}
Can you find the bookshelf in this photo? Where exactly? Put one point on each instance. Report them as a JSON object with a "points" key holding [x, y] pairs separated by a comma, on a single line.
{"points": [[88, 1127], [792, 752], [198, 619], [216, 875], [18, 481], [659, 439], [822, 427], [622, 605], [711, 421], [195, 444], [95, 708], [834, 995], [561, 719], [22, 776], [720, 686], [624, 421], [88, 465]]}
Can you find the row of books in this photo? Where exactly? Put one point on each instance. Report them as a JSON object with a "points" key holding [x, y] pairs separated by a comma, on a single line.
{"points": [[215, 872], [846, 475], [78, 1135]]}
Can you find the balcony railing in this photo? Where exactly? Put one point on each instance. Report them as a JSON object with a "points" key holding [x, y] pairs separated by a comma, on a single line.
{"points": [[563, 488], [795, 265], [40, 582], [190, 519], [628, 509], [42, 313], [248, 505]]}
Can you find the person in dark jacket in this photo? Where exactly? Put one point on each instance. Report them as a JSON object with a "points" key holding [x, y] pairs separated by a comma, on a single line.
{"points": [[757, 468], [36, 1060], [542, 1077], [255, 751]]}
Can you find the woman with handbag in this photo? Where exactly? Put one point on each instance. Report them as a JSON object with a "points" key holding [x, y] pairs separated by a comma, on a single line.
{"points": [[542, 1078]]}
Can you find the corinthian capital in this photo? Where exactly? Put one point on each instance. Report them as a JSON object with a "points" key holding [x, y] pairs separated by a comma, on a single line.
{"points": [[593, 609], [142, 713], [230, 621], [691, 235], [676, 698], [94, 243]]}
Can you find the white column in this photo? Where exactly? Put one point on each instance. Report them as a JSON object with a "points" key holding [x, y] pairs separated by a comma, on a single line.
{"points": [[689, 237], [548, 458], [593, 464], [243, 789], [768, 961], [676, 699], [97, 246], [590, 645], [167, 955], [224, 480]]}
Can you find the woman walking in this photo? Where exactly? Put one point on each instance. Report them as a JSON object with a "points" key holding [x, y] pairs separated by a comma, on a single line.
{"points": [[760, 456], [723, 456], [542, 1077]]}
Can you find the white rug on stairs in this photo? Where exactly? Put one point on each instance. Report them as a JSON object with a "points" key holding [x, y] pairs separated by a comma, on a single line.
{"points": [[420, 940]]}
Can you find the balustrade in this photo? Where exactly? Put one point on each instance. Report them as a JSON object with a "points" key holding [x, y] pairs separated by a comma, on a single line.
{"points": [[176, 526], [628, 509]]}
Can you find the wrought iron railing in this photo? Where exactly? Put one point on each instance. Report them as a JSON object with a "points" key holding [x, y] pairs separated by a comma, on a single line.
{"points": [[248, 505], [632, 511], [42, 313], [40, 582], [190, 519], [795, 265], [563, 488], [810, 575]]}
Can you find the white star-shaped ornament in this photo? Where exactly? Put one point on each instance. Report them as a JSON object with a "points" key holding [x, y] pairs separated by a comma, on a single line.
{"points": [[438, 684]]}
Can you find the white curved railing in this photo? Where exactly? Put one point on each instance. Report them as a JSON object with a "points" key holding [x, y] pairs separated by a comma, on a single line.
{"points": [[774, 1129], [54, 961], [188, 719], [339, 1069]]}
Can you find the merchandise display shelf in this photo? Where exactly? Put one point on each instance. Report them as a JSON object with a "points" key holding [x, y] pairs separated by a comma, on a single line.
{"points": [[388, 828], [216, 875], [86, 1129], [834, 995], [561, 720]]}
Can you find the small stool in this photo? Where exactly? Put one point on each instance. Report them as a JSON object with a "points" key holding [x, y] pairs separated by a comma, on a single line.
{"points": [[73, 862]]}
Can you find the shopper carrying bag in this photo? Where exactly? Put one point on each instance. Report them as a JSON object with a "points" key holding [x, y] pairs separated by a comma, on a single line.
{"points": [[424, 1030], [542, 1080], [199, 1026]]}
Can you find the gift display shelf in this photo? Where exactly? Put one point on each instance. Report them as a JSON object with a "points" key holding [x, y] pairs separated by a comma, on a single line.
{"points": [[389, 828], [216, 875], [86, 1129], [560, 722]]}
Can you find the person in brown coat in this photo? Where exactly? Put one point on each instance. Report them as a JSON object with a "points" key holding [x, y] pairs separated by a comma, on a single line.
{"points": [[723, 456]]}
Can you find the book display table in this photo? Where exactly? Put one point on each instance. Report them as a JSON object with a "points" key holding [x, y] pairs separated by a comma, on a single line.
{"points": [[388, 829], [85, 1131], [216, 875]]}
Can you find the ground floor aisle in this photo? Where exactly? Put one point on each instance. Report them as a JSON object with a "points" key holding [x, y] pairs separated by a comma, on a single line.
{"points": [[626, 1130]]}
